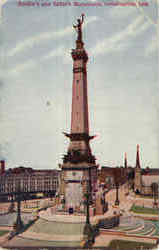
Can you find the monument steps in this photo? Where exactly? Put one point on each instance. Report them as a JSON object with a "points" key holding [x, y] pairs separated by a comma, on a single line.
{"points": [[155, 233], [146, 230], [134, 227]]}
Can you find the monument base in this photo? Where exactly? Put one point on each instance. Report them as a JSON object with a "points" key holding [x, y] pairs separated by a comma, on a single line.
{"points": [[77, 180]]}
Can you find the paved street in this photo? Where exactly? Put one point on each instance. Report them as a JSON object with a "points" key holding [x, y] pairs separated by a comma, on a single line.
{"points": [[67, 230], [125, 202]]}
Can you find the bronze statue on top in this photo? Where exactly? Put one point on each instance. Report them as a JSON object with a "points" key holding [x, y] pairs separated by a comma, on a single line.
{"points": [[78, 27]]}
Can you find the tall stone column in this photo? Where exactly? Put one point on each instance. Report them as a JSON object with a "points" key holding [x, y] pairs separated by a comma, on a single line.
{"points": [[79, 164]]}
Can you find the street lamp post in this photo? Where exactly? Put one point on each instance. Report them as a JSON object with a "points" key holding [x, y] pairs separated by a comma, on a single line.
{"points": [[154, 187], [87, 208], [18, 223], [117, 194], [117, 176], [88, 230]]}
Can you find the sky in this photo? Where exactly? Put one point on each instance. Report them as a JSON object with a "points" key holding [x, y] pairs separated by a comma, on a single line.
{"points": [[36, 82]]}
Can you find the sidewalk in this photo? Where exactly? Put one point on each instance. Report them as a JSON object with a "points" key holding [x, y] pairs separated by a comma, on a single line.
{"points": [[104, 240]]}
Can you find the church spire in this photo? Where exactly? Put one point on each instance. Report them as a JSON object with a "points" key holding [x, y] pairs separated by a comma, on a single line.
{"points": [[138, 157], [125, 160]]}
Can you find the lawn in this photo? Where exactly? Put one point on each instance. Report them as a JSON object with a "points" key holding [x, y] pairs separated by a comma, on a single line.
{"points": [[3, 232], [129, 245], [144, 210]]}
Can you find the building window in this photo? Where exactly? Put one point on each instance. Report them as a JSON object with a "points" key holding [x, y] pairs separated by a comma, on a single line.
{"points": [[77, 81]]}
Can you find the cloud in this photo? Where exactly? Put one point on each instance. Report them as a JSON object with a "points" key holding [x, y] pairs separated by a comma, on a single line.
{"points": [[54, 53], [144, 12], [32, 41], [91, 19], [18, 68], [45, 36], [119, 41], [61, 51], [153, 46], [122, 12], [2, 2], [1, 83]]}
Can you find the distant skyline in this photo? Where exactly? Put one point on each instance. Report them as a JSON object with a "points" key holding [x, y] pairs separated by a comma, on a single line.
{"points": [[36, 83]]}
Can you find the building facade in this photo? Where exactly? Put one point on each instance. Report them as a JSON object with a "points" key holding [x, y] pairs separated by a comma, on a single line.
{"points": [[144, 178], [31, 181], [2, 167]]}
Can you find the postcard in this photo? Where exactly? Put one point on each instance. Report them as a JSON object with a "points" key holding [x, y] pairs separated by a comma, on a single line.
{"points": [[79, 102]]}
